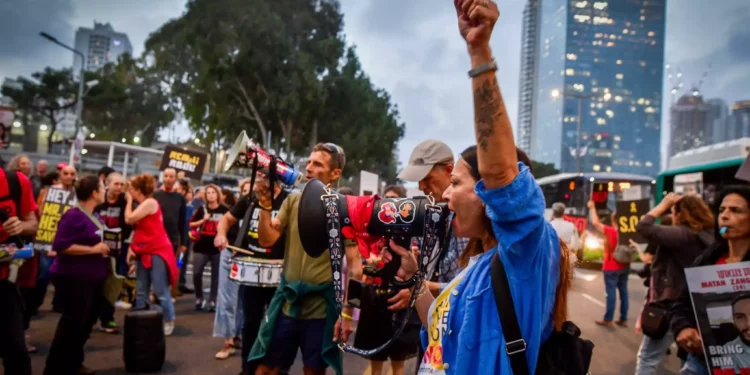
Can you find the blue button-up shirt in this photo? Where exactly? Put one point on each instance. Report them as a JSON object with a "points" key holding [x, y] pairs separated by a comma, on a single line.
{"points": [[530, 251]]}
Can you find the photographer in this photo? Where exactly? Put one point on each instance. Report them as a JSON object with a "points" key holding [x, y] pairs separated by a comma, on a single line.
{"points": [[302, 313], [498, 204], [17, 199]]}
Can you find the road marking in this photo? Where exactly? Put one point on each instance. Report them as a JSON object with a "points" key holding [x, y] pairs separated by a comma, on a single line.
{"points": [[584, 276], [594, 300]]}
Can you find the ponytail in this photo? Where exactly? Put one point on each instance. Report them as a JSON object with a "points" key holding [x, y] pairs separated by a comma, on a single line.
{"points": [[560, 310]]}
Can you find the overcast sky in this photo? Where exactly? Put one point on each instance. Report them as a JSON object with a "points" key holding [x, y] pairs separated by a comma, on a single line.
{"points": [[410, 48]]}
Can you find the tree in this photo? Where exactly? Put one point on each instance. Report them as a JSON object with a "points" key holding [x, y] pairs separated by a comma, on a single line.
{"points": [[273, 66], [50, 95], [127, 102], [543, 169]]}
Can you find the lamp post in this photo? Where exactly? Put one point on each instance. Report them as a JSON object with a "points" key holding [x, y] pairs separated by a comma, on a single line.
{"points": [[580, 97], [79, 102]]}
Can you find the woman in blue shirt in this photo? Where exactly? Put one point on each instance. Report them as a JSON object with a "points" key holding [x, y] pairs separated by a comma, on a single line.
{"points": [[503, 214]]}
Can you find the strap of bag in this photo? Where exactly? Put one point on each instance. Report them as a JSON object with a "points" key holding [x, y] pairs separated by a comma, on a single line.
{"points": [[14, 189], [245, 221], [515, 345]]}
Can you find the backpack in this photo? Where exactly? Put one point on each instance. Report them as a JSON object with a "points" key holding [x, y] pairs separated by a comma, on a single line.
{"points": [[624, 254], [564, 352]]}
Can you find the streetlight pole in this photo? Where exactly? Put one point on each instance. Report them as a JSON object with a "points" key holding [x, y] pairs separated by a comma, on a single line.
{"points": [[580, 97], [79, 101]]}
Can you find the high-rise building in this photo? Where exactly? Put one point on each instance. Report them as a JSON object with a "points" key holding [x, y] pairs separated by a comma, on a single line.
{"points": [[612, 54], [101, 45], [739, 121], [691, 124], [718, 120], [529, 61]]}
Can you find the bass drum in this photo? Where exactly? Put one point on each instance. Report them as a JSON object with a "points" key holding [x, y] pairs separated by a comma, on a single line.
{"points": [[144, 347]]}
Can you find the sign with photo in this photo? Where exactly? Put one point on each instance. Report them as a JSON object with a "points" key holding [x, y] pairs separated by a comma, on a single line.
{"points": [[629, 213], [689, 184], [56, 203], [721, 301], [181, 159]]}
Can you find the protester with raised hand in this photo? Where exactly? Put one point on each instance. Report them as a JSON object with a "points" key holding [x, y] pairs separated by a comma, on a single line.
{"points": [[504, 214]]}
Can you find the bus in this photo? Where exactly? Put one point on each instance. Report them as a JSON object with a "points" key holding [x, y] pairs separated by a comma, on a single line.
{"points": [[575, 190], [704, 171]]}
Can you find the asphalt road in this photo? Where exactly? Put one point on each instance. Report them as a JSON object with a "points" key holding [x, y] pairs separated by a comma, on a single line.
{"points": [[191, 349]]}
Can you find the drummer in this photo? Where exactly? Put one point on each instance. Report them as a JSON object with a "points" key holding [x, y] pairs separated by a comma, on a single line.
{"points": [[254, 298]]}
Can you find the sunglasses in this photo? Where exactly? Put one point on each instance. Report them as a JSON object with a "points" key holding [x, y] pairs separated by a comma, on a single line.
{"points": [[337, 150]]}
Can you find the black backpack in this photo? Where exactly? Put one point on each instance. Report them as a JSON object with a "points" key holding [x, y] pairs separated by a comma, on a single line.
{"points": [[564, 353]]}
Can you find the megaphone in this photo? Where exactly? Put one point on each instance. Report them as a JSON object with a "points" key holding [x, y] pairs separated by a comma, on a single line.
{"points": [[370, 217], [247, 154]]}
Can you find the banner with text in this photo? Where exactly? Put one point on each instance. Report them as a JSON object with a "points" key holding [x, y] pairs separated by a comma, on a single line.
{"points": [[721, 301], [56, 203], [629, 213], [181, 159]]}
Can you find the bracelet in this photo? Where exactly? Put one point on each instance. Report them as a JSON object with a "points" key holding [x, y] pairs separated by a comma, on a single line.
{"points": [[484, 68], [422, 290], [346, 316], [264, 208]]}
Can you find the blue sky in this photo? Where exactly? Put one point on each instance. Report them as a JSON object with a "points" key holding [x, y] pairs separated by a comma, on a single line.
{"points": [[410, 48]]}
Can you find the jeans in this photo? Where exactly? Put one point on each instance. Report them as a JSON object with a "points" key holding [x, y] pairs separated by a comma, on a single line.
{"points": [[616, 281], [255, 301], [158, 275], [693, 366], [78, 298], [13, 342], [199, 264], [229, 314], [651, 353]]}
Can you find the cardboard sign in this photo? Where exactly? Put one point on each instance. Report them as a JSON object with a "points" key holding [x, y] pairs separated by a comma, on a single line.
{"points": [[629, 213], [744, 172], [56, 203], [191, 162], [599, 195], [721, 301]]}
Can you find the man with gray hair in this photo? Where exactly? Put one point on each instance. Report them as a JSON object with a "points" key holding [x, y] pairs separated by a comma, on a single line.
{"points": [[565, 229]]}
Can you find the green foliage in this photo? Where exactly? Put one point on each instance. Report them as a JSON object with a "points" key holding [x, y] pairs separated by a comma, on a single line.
{"points": [[543, 169], [49, 95], [278, 66], [127, 102]]}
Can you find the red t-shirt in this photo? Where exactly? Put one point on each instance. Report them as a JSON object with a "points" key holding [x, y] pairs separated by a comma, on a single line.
{"points": [[609, 263], [28, 204], [722, 260]]}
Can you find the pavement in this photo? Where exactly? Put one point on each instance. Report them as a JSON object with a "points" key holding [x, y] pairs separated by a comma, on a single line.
{"points": [[191, 349]]}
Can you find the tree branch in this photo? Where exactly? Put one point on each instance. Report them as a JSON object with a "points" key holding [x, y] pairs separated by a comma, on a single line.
{"points": [[258, 119]]}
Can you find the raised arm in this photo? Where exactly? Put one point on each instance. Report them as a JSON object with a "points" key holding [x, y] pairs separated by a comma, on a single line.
{"points": [[148, 207], [496, 150]]}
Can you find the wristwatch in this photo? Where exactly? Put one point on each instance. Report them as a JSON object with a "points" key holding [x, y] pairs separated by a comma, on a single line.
{"points": [[484, 68]]}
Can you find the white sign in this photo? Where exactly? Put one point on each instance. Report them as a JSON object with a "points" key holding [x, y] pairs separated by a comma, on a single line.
{"points": [[689, 184], [634, 193], [368, 183], [721, 302]]}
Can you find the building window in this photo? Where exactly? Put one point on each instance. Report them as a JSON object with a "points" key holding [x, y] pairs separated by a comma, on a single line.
{"points": [[600, 5], [596, 168], [610, 113], [619, 62], [619, 76], [572, 56], [570, 72], [651, 33], [600, 121]]}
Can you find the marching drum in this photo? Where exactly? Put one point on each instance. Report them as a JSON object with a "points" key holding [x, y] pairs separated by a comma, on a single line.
{"points": [[251, 271]]}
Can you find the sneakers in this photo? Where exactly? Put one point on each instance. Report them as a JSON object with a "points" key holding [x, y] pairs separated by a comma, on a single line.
{"points": [[212, 307], [604, 323], [168, 328], [110, 328], [122, 305], [198, 305], [227, 351]]}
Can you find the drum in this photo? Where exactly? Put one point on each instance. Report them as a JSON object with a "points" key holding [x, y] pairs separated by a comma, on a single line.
{"points": [[256, 272]]}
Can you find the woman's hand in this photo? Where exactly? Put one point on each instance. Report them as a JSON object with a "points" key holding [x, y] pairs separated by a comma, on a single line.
{"points": [[101, 248], [690, 340], [671, 199], [409, 265], [130, 257]]}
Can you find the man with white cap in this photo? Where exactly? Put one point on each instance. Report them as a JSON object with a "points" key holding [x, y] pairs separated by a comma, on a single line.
{"points": [[565, 229], [430, 165]]}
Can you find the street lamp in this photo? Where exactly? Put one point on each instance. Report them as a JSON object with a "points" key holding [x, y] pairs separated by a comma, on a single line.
{"points": [[556, 94], [79, 103]]}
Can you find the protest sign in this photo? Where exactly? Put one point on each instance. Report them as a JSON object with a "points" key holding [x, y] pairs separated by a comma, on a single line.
{"points": [[56, 203], [181, 159], [600, 194], [721, 301], [112, 237], [629, 213], [579, 221]]}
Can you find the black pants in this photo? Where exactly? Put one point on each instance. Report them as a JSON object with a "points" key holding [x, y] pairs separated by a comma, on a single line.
{"points": [[78, 299], [29, 297], [255, 301], [105, 310], [12, 339], [199, 264]]}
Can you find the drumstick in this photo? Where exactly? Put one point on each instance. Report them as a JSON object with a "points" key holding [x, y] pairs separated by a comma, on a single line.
{"points": [[240, 250]]}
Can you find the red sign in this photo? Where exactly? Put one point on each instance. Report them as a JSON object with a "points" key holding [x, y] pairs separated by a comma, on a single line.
{"points": [[579, 221]]}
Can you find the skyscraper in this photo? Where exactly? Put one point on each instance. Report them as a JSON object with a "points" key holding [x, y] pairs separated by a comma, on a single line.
{"points": [[612, 53], [691, 124], [529, 61], [719, 120], [740, 119], [101, 45]]}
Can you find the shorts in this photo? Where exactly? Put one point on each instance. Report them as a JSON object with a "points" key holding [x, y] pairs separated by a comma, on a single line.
{"points": [[290, 334], [377, 325]]}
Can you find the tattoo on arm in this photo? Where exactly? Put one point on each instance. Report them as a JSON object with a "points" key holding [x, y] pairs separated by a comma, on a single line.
{"points": [[488, 108]]}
